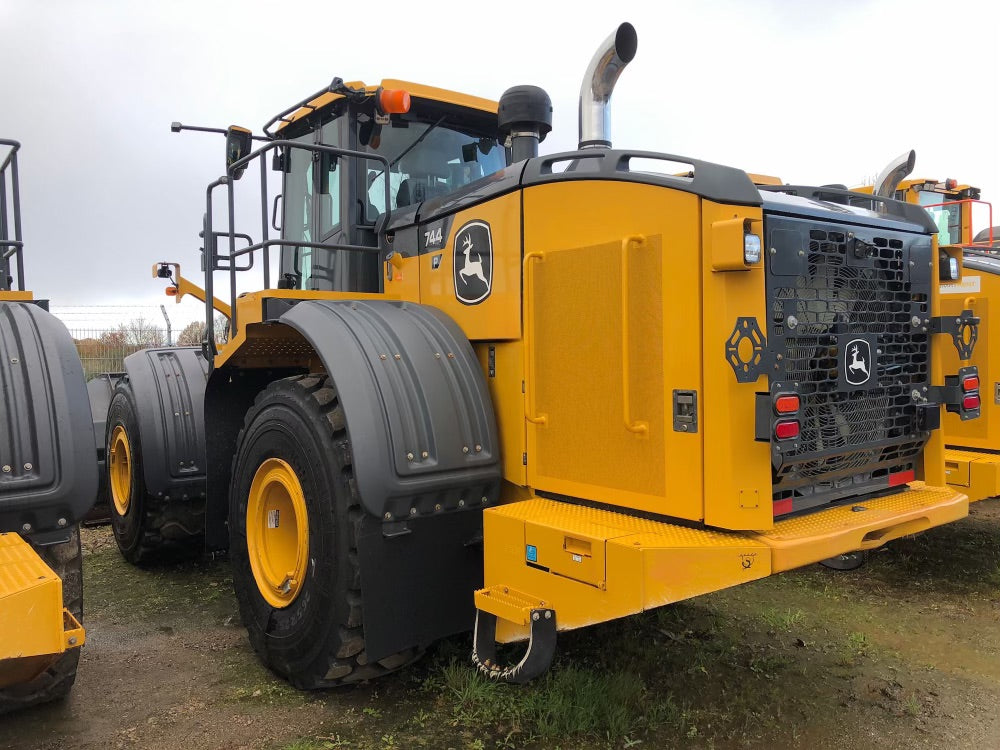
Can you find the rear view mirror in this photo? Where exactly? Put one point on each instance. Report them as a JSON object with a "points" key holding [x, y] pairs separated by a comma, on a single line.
{"points": [[238, 144]]}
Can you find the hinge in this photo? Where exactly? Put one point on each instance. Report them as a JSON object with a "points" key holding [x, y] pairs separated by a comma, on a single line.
{"points": [[524, 459], [963, 329]]}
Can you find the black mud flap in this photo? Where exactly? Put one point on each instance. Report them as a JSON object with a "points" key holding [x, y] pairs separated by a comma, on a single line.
{"points": [[48, 467], [536, 660]]}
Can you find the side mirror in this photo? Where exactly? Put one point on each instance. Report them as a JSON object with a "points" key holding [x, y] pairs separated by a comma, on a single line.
{"points": [[238, 143]]}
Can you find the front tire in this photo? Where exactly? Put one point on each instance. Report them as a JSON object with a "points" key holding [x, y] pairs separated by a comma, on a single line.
{"points": [[294, 517], [66, 561]]}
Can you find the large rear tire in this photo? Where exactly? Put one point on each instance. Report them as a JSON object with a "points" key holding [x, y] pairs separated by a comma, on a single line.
{"points": [[146, 528], [66, 560], [294, 517]]}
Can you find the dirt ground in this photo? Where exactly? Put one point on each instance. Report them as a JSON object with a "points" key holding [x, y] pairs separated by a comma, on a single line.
{"points": [[903, 653]]}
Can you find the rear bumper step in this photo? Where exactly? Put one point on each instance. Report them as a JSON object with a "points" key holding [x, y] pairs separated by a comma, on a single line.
{"points": [[864, 525], [974, 473], [33, 623], [589, 565]]}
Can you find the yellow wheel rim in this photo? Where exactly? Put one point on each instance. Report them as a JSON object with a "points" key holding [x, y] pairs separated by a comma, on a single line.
{"points": [[120, 470], [277, 532]]}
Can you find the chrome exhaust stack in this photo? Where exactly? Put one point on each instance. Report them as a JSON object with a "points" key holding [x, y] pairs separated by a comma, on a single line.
{"points": [[599, 82], [893, 174]]}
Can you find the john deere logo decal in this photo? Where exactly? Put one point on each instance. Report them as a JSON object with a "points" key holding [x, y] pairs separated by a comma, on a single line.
{"points": [[473, 263], [857, 362]]}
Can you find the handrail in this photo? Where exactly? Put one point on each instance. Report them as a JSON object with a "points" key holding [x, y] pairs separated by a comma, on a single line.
{"points": [[638, 427], [529, 359], [15, 246], [213, 257]]}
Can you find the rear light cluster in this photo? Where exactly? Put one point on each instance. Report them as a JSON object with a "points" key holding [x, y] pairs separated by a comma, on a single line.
{"points": [[786, 407], [961, 393], [970, 391]]}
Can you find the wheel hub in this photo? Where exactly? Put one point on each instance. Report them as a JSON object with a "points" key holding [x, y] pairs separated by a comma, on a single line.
{"points": [[277, 532], [120, 470]]}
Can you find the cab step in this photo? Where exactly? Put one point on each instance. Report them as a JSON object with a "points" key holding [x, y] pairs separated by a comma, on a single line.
{"points": [[973, 472]]}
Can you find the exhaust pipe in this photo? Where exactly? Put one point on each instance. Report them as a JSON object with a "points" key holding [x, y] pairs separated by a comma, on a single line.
{"points": [[893, 174], [599, 82]]}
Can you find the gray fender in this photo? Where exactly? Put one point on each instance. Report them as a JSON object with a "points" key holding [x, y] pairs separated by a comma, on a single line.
{"points": [[169, 389], [48, 472], [419, 416]]}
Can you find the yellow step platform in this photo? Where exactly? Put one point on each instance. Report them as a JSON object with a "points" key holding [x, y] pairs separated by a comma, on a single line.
{"points": [[973, 472], [33, 621], [591, 565]]}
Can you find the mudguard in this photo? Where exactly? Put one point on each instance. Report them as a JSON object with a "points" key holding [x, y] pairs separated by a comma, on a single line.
{"points": [[48, 475], [421, 423], [169, 389]]}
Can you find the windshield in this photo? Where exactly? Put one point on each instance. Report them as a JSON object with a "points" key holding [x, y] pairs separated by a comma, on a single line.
{"points": [[948, 218], [428, 159]]}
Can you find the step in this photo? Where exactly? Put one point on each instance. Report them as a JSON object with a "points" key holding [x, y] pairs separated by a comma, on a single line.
{"points": [[973, 472]]}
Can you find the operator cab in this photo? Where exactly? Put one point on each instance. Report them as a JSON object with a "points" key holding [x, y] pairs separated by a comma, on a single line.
{"points": [[441, 144]]}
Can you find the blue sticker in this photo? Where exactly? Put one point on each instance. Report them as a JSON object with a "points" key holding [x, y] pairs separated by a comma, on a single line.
{"points": [[532, 553]]}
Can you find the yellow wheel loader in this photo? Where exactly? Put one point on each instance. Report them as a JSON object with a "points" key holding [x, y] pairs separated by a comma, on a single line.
{"points": [[488, 389], [970, 245], [48, 477]]}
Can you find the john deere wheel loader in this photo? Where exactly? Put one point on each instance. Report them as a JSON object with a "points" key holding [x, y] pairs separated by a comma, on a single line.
{"points": [[971, 282], [48, 478], [486, 388]]}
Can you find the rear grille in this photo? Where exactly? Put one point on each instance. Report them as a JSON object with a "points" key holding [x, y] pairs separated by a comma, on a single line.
{"points": [[827, 283]]}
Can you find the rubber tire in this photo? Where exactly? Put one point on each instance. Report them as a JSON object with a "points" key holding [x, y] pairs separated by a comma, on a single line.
{"points": [[66, 560], [316, 641], [152, 529], [846, 562]]}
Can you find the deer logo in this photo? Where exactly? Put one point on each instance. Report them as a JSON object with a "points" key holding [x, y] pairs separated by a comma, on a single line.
{"points": [[472, 262], [857, 362]]}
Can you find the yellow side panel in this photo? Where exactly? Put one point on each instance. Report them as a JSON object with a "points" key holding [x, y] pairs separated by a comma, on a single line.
{"points": [[611, 329], [31, 607], [16, 296], [979, 292], [498, 316], [738, 468]]}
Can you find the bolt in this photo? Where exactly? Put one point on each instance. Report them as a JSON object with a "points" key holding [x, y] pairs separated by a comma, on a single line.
{"points": [[684, 428], [437, 355], [423, 454], [387, 516], [915, 321], [773, 251], [465, 449], [413, 511], [478, 448], [381, 356], [72, 640], [534, 616], [461, 503], [26, 528], [27, 467], [802, 253], [409, 456], [6, 468], [177, 413], [915, 395], [485, 500], [451, 356], [548, 615], [437, 506], [61, 522], [14, 360], [780, 357], [397, 356], [792, 322]]}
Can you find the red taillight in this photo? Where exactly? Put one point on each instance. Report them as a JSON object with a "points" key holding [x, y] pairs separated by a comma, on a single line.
{"points": [[901, 477], [970, 383], [786, 404], [786, 429], [971, 402]]}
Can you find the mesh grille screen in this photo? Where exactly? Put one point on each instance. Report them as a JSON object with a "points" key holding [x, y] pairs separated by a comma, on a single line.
{"points": [[840, 286]]}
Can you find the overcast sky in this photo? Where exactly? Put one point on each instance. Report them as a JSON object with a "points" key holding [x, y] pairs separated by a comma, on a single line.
{"points": [[814, 92]]}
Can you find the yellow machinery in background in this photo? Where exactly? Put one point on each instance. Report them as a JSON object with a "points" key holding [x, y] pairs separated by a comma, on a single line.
{"points": [[971, 244], [48, 478], [487, 388]]}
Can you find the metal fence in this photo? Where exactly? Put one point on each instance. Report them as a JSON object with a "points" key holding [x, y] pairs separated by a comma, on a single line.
{"points": [[103, 350]]}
